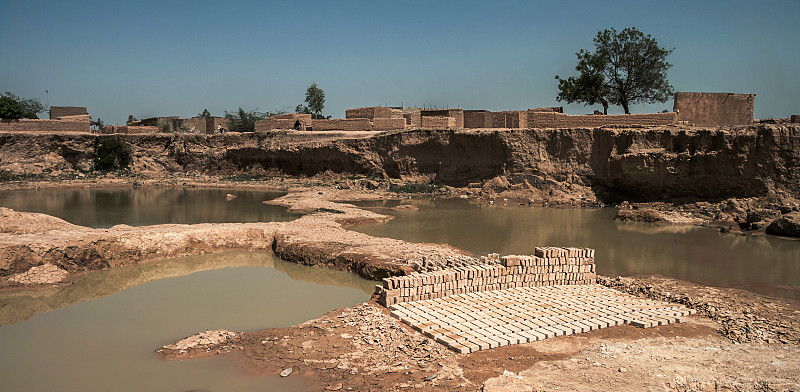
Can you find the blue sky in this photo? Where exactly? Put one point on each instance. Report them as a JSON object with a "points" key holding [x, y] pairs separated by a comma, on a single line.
{"points": [[178, 57]]}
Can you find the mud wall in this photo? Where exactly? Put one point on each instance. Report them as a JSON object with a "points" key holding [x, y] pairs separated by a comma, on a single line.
{"points": [[477, 119], [649, 164], [438, 122], [510, 119], [388, 124], [456, 114], [342, 124], [540, 119], [372, 112], [72, 124], [714, 109], [109, 129], [57, 112]]}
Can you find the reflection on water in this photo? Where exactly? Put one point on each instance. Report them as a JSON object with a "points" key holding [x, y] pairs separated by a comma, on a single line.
{"points": [[767, 265], [102, 208], [21, 305], [99, 341]]}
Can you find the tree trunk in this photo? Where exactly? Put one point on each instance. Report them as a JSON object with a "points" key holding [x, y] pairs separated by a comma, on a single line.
{"points": [[625, 106], [605, 106]]}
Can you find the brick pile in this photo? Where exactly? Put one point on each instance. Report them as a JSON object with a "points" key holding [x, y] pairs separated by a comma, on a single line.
{"points": [[547, 267]]}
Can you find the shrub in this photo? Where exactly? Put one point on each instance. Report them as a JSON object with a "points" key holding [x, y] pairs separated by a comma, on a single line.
{"points": [[111, 153]]}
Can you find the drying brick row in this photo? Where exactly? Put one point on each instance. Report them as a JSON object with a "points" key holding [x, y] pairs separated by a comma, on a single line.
{"points": [[550, 266]]}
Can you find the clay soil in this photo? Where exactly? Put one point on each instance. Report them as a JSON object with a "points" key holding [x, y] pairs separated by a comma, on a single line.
{"points": [[737, 341]]}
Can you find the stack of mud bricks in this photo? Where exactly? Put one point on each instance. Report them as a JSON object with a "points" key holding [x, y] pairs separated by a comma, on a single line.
{"points": [[548, 266]]}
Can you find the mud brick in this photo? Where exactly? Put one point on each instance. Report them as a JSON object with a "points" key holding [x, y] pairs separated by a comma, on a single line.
{"points": [[614, 320], [556, 330], [496, 341], [543, 331], [585, 327], [481, 342], [603, 322], [643, 323], [459, 348], [472, 346], [526, 337], [507, 340]]}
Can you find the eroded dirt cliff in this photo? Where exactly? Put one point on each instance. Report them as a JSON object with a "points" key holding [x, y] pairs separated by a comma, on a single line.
{"points": [[611, 164]]}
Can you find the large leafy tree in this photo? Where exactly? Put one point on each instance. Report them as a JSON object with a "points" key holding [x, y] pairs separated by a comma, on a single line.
{"points": [[12, 106], [315, 98], [627, 67], [588, 87]]}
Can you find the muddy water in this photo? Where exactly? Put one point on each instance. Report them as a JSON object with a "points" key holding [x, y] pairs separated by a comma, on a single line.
{"points": [[767, 265], [102, 208], [100, 342]]}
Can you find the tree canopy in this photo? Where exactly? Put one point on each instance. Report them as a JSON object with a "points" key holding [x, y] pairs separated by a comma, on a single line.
{"points": [[205, 113], [244, 121], [9, 108], [627, 67], [315, 98], [14, 107]]}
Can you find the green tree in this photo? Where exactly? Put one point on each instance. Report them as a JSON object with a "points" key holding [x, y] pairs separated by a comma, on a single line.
{"points": [[9, 108], [627, 67], [205, 113], [588, 87], [244, 121], [315, 98], [29, 108], [131, 120]]}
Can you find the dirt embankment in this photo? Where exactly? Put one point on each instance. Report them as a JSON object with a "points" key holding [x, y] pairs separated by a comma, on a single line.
{"points": [[613, 164]]}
